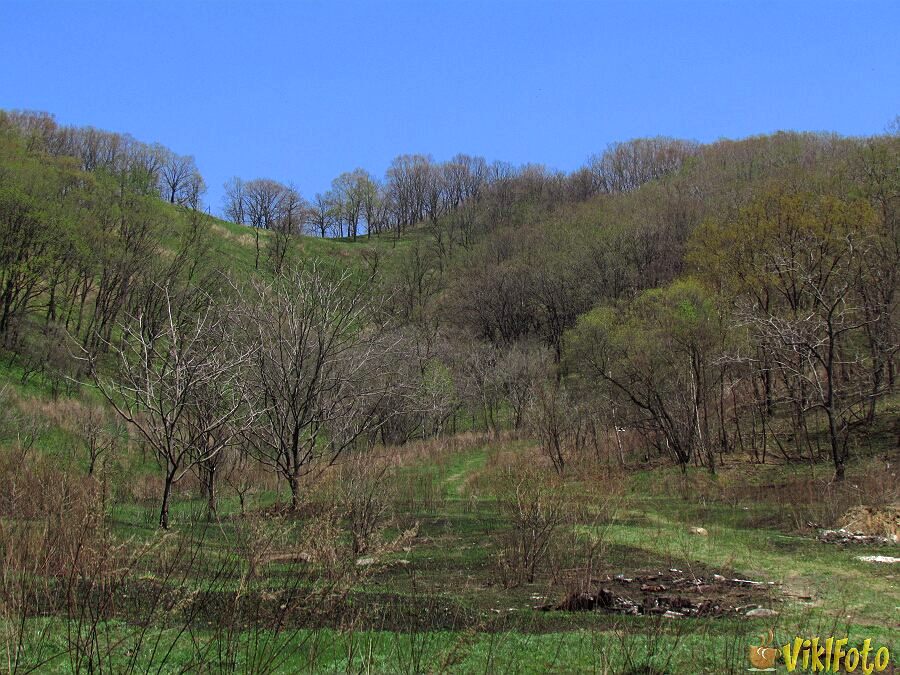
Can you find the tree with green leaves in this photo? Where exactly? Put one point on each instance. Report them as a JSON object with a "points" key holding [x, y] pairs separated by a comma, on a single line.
{"points": [[793, 264], [656, 358]]}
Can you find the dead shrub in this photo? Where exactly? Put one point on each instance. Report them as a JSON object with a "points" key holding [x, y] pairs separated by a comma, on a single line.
{"points": [[20, 424], [347, 511], [52, 522], [535, 509], [261, 540], [363, 490], [56, 555]]}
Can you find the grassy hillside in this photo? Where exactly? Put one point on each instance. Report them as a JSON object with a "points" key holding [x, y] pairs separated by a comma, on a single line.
{"points": [[572, 445]]}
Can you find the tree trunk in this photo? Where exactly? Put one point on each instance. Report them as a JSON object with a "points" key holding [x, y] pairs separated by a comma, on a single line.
{"points": [[167, 493], [294, 484], [877, 372], [212, 499]]}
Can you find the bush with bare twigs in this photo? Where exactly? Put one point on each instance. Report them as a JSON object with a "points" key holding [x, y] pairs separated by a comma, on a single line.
{"points": [[536, 511]]}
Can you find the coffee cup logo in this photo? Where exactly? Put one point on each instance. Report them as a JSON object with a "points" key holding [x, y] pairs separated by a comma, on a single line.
{"points": [[762, 656]]}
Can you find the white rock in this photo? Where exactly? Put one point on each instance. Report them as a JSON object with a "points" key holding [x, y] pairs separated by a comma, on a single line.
{"points": [[878, 558], [761, 612]]}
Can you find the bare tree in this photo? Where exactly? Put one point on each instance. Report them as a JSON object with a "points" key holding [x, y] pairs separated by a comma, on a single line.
{"points": [[320, 215], [235, 204], [263, 200], [320, 372], [181, 180], [407, 187], [522, 368], [799, 272], [348, 195], [177, 381], [290, 216], [373, 204], [97, 434], [624, 167]]}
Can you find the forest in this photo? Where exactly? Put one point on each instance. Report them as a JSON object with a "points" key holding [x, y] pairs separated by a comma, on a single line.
{"points": [[462, 417]]}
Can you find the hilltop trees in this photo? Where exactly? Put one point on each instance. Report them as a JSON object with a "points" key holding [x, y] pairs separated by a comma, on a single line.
{"points": [[25, 249], [624, 167], [348, 194], [138, 166], [181, 181], [320, 215], [266, 204], [75, 246]]}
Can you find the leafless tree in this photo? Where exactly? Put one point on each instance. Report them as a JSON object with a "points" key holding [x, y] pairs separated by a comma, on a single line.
{"points": [[522, 369], [177, 382], [480, 380], [291, 214], [407, 188], [321, 214], [181, 180], [626, 166], [320, 372], [263, 202], [234, 205], [348, 195], [97, 434], [373, 204]]}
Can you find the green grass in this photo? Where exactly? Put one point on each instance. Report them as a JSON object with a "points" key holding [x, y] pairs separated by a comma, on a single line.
{"points": [[450, 572], [667, 648]]}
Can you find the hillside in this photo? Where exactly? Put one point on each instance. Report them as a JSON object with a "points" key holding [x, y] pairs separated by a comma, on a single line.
{"points": [[598, 418]]}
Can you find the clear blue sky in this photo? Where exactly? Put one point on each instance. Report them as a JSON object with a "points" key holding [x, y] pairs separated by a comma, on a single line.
{"points": [[300, 91]]}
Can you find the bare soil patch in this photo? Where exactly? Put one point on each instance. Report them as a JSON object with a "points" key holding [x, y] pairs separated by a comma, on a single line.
{"points": [[672, 593]]}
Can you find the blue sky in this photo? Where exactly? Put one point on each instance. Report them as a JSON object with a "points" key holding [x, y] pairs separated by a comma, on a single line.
{"points": [[300, 91]]}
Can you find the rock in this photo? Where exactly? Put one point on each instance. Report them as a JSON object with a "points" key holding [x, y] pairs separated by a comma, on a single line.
{"points": [[365, 562], [761, 612], [843, 536], [747, 582], [653, 588], [701, 531], [878, 558]]}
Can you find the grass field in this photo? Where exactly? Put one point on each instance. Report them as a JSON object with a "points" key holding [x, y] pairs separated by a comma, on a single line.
{"points": [[438, 584]]}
